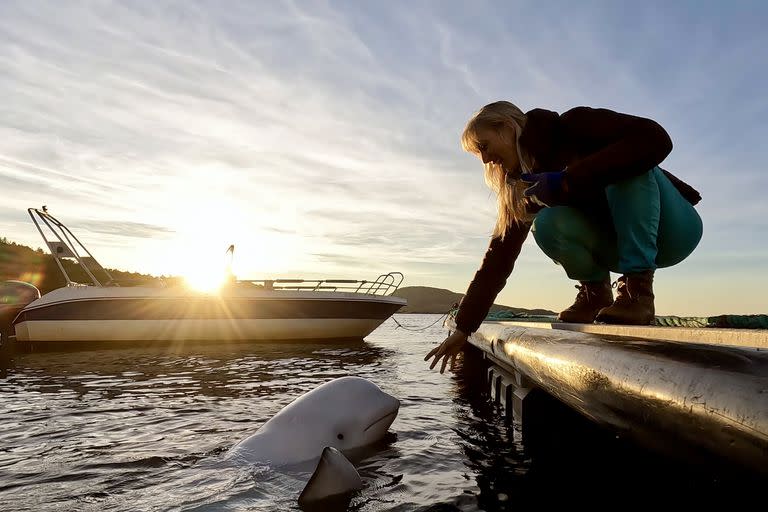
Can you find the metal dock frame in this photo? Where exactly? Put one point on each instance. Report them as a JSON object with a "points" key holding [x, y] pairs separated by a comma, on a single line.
{"points": [[678, 397]]}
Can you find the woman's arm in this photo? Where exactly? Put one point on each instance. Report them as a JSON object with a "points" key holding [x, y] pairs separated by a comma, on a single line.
{"points": [[490, 279], [488, 282]]}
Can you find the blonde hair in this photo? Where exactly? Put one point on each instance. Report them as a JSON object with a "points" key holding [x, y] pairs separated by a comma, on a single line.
{"points": [[510, 204]]}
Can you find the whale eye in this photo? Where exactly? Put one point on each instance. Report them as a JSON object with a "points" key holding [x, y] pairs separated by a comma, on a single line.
{"points": [[340, 436]]}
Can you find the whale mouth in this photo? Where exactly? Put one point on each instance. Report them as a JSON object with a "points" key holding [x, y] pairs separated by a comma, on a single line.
{"points": [[376, 422]]}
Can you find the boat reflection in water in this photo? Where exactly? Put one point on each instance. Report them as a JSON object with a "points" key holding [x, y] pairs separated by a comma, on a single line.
{"points": [[223, 369]]}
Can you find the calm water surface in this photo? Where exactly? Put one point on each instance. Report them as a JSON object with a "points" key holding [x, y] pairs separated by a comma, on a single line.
{"points": [[146, 429]]}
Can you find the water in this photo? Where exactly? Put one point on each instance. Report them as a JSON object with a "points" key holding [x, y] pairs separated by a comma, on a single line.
{"points": [[145, 429]]}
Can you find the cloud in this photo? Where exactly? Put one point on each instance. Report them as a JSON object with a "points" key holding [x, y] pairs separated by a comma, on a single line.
{"points": [[336, 125], [125, 229]]}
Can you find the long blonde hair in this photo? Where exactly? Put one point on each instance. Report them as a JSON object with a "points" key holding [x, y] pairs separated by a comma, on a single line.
{"points": [[510, 204]]}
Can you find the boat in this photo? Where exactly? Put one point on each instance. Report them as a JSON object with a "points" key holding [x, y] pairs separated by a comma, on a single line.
{"points": [[104, 309]]}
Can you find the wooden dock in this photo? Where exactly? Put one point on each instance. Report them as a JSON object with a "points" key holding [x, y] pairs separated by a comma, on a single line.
{"points": [[702, 391]]}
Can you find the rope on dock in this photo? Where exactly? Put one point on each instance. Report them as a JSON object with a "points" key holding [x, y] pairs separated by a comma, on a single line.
{"points": [[401, 326], [720, 321]]}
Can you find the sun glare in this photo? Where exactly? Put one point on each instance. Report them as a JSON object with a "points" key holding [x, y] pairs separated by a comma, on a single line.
{"points": [[206, 282], [197, 251]]}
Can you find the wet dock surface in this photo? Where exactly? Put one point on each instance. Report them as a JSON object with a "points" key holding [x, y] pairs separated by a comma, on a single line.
{"points": [[707, 401]]}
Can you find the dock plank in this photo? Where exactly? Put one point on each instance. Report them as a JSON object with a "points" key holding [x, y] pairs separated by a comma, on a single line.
{"points": [[752, 338]]}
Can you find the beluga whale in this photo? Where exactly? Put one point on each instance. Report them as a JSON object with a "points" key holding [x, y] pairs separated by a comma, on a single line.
{"points": [[338, 417]]}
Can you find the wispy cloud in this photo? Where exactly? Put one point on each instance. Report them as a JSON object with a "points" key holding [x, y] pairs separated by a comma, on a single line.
{"points": [[329, 130], [125, 229]]}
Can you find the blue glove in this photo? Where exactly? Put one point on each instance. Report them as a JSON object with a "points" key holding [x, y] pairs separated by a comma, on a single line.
{"points": [[547, 188]]}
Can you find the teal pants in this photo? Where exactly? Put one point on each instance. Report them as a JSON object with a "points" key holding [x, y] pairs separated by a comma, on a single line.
{"points": [[652, 225]]}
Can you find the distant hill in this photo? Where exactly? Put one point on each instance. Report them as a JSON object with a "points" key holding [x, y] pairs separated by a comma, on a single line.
{"points": [[22, 263], [424, 299]]}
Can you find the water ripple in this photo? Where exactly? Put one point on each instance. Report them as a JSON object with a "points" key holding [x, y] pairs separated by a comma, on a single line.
{"points": [[124, 428]]}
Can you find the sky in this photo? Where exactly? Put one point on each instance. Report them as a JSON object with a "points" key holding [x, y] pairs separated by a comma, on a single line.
{"points": [[322, 138]]}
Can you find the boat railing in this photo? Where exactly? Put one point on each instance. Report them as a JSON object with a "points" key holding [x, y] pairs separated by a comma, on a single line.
{"points": [[385, 284]]}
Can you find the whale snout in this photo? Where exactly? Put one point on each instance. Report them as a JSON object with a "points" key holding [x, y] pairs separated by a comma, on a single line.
{"points": [[384, 417], [382, 423]]}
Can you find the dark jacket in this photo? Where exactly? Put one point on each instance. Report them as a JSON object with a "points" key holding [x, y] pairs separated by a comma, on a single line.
{"points": [[595, 147]]}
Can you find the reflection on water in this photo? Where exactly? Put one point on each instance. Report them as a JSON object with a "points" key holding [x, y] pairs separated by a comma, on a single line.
{"points": [[145, 428], [195, 369]]}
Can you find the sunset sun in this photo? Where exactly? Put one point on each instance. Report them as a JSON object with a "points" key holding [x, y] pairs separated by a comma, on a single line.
{"points": [[205, 280]]}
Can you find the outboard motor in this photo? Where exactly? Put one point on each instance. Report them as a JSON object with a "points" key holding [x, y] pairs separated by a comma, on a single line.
{"points": [[14, 296]]}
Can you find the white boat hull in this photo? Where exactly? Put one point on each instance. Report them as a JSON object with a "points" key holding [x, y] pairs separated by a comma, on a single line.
{"points": [[149, 314], [195, 330]]}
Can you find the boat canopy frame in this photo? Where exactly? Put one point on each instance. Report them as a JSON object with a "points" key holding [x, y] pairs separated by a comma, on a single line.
{"points": [[67, 245]]}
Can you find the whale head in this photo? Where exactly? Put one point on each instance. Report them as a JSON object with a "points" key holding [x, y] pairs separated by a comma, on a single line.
{"points": [[344, 413]]}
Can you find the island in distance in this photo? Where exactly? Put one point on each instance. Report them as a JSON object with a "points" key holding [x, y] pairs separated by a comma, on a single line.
{"points": [[425, 299]]}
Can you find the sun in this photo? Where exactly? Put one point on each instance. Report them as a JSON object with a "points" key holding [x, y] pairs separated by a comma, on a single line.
{"points": [[205, 280], [209, 274], [197, 250]]}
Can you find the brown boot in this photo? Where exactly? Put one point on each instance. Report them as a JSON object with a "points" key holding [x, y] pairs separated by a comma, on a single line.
{"points": [[592, 297], [634, 301]]}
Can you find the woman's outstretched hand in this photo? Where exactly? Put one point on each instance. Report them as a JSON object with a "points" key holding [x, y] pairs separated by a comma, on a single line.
{"points": [[447, 350]]}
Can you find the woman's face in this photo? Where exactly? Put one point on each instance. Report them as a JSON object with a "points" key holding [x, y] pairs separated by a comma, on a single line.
{"points": [[498, 147]]}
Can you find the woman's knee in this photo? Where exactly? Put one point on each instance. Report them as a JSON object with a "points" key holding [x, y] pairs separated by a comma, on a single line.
{"points": [[674, 248], [680, 226]]}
